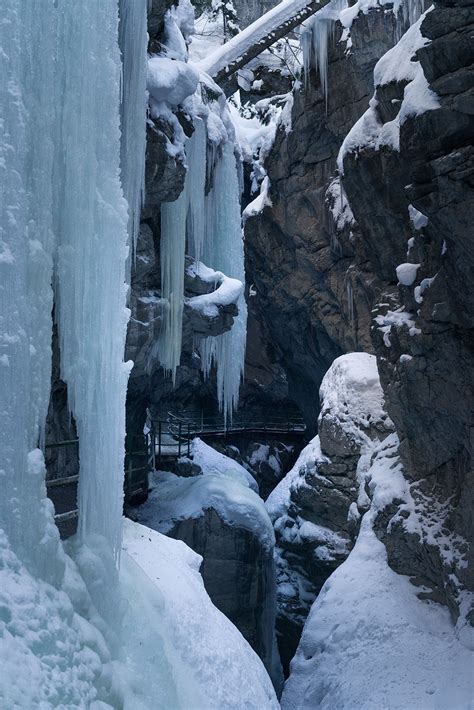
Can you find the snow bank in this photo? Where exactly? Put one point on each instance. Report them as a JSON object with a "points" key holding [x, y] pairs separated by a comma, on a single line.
{"points": [[212, 462], [49, 655], [369, 642], [192, 656]]}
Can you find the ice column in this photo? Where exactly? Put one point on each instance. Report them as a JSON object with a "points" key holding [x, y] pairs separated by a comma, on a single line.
{"points": [[62, 203], [224, 251], [133, 40], [184, 218], [27, 135], [92, 235]]}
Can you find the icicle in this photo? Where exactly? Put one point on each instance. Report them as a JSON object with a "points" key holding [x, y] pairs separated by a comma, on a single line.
{"points": [[184, 217], [28, 85], [350, 302], [407, 12], [196, 155], [172, 250], [224, 251], [133, 40], [316, 38]]}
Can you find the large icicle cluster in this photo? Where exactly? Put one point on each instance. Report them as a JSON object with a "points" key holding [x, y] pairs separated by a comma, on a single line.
{"points": [[206, 226], [224, 250], [64, 213], [63, 220], [184, 217]]}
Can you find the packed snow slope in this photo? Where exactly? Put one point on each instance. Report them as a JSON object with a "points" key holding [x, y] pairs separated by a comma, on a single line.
{"points": [[213, 666], [370, 641]]}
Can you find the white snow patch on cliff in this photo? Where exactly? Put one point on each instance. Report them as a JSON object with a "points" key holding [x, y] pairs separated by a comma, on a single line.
{"points": [[396, 66]]}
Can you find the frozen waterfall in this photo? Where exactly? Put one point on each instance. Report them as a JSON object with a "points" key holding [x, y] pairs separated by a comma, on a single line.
{"points": [[63, 214], [224, 251], [207, 227]]}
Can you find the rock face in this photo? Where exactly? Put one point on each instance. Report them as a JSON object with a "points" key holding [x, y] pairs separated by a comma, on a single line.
{"points": [[424, 329], [301, 252], [239, 576], [380, 258], [250, 10], [316, 508]]}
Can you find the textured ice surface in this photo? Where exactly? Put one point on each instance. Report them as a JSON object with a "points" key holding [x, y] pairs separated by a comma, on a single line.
{"points": [[224, 251]]}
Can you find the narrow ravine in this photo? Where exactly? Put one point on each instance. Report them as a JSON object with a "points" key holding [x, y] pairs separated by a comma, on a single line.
{"points": [[236, 355]]}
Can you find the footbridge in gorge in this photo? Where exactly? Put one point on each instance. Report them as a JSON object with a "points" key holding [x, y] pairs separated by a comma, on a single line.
{"points": [[164, 441]]}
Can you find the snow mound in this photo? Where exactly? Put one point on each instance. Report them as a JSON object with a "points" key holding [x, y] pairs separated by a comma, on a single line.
{"points": [[351, 394], [174, 498], [182, 635], [369, 641], [171, 80], [212, 462]]}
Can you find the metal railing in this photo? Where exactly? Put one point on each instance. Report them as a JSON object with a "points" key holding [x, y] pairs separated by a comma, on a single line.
{"points": [[170, 439]]}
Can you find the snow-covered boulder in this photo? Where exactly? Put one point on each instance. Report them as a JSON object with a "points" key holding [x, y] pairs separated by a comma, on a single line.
{"points": [[170, 80], [316, 508], [219, 514]]}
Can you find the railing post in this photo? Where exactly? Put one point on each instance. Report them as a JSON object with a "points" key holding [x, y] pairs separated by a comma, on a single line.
{"points": [[129, 475], [179, 439], [189, 439], [159, 442], [153, 446]]}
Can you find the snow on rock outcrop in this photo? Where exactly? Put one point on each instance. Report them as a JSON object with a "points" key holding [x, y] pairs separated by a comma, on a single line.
{"points": [[369, 641], [212, 665], [316, 508], [398, 67], [227, 291], [171, 80], [222, 487], [211, 461], [218, 515]]}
